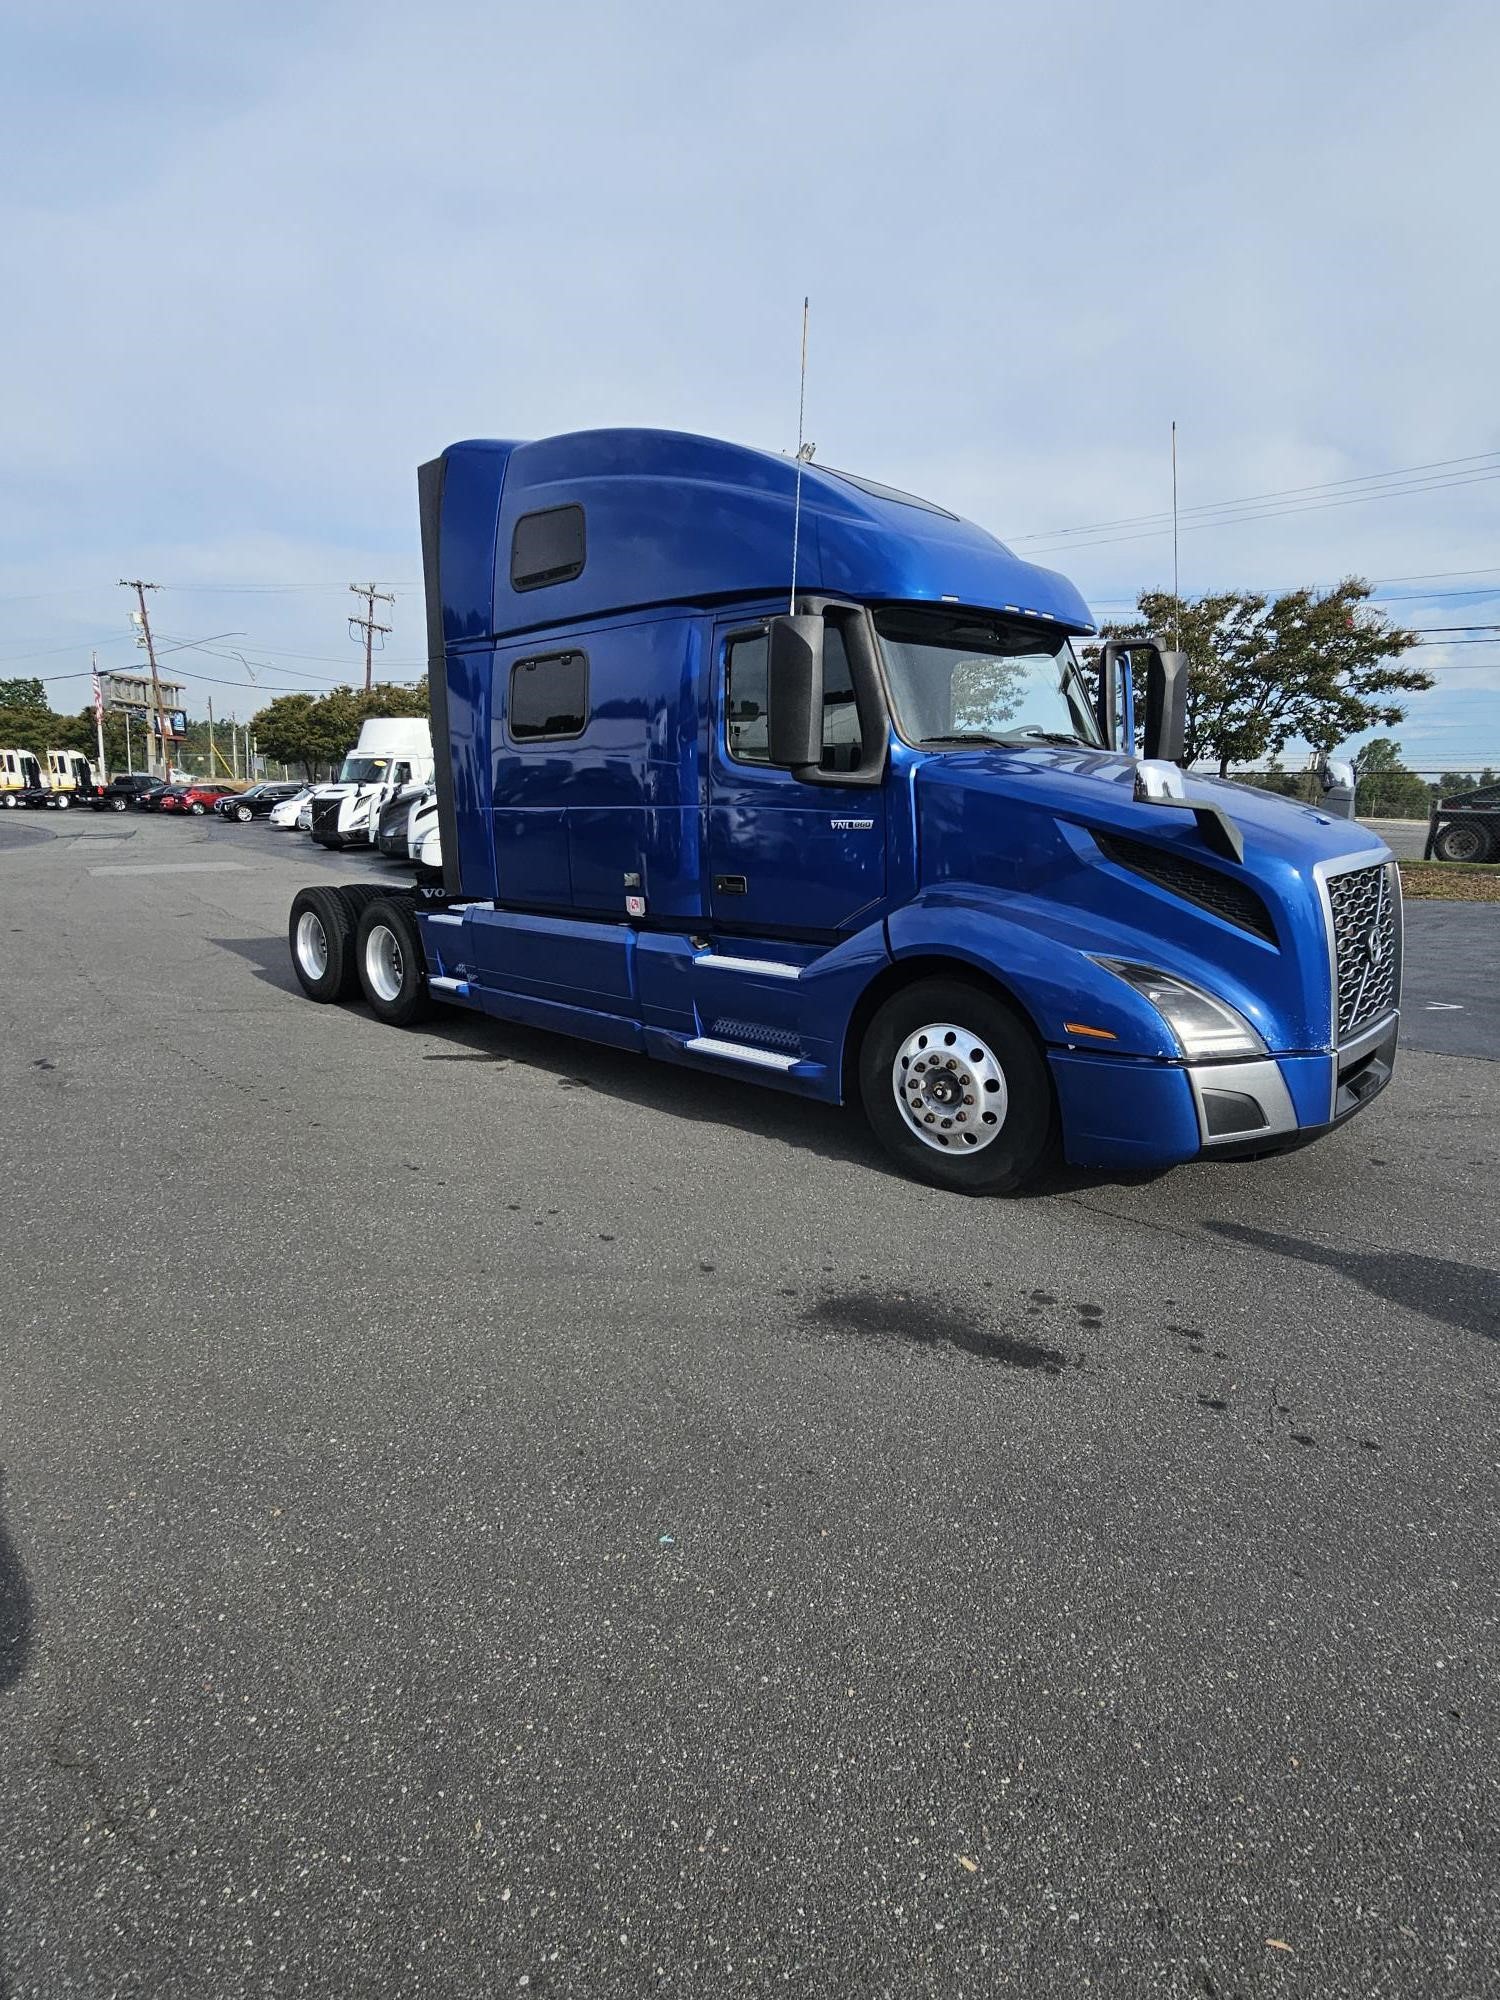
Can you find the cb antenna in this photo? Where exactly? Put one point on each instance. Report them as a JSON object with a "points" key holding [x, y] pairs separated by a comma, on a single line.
{"points": [[1176, 586], [797, 497]]}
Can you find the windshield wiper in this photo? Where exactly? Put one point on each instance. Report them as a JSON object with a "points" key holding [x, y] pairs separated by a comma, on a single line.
{"points": [[968, 736], [1010, 739]]}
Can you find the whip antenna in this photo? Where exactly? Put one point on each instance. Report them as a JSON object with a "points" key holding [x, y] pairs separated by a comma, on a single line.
{"points": [[797, 497]]}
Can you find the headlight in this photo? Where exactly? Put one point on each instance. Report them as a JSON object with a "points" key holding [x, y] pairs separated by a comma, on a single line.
{"points": [[1205, 1029]]}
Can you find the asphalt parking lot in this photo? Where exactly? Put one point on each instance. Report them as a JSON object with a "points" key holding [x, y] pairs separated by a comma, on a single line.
{"points": [[485, 1514]]}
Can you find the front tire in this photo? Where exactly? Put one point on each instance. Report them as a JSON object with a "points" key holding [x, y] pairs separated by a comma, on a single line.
{"points": [[63, 802], [956, 1087], [392, 968], [242, 813]]}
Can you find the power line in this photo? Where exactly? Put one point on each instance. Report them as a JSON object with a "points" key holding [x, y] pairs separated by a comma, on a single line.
{"points": [[1229, 520], [1255, 499]]}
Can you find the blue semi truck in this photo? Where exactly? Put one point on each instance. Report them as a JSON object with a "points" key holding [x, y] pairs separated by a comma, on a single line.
{"points": [[773, 771]]}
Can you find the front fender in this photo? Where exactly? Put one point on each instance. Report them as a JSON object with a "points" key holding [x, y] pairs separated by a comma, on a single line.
{"points": [[1039, 953]]}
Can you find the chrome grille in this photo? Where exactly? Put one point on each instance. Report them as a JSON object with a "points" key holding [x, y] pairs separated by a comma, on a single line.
{"points": [[1364, 906]]}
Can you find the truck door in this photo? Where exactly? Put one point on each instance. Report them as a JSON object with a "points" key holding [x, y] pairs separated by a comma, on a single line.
{"points": [[787, 858]]}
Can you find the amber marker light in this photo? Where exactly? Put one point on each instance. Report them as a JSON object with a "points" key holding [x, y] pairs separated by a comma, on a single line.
{"points": [[1083, 1028]]}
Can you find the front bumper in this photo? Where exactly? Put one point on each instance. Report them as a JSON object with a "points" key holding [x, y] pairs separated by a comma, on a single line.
{"points": [[1119, 1111]]}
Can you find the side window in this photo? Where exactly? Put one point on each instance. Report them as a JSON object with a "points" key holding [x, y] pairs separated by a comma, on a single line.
{"points": [[401, 774], [547, 547], [745, 703], [549, 696], [745, 700]]}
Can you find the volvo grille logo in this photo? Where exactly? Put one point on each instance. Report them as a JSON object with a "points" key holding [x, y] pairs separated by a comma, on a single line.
{"points": [[1374, 946]]}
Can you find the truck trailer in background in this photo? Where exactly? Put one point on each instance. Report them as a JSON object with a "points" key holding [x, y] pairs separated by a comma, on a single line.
{"points": [[872, 836]]}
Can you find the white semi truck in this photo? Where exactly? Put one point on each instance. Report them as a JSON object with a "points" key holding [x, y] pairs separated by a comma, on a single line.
{"points": [[392, 753]]}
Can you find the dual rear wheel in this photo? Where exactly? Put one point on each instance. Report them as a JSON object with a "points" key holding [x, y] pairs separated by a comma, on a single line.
{"points": [[360, 941]]}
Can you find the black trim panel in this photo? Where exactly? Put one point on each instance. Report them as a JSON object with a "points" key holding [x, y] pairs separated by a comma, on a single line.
{"points": [[430, 512]]}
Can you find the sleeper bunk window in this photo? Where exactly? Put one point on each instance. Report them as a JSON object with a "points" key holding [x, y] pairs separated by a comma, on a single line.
{"points": [[549, 697], [547, 547]]}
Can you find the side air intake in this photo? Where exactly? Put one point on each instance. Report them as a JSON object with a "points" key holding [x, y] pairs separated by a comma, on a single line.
{"points": [[1194, 881]]}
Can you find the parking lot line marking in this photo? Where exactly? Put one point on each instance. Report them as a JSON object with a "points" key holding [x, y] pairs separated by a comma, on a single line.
{"points": [[171, 868], [1445, 1007]]}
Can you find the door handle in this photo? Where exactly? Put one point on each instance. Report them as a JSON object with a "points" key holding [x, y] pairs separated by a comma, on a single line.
{"points": [[730, 885]]}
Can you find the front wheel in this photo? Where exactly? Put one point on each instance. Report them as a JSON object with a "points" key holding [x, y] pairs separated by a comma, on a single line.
{"points": [[392, 969], [242, 813], [956, 1088], [63, 802], [117, 805]]}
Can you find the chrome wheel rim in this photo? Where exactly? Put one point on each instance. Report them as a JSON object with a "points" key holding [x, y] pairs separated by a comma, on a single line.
{"points": [[950, 1087], [384, 965], [312, 945]]}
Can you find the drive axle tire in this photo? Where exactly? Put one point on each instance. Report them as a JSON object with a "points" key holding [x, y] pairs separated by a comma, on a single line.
{"points": [[321, 935], [117, 805], [392, 968], [1465, 840], [956, 1087]]}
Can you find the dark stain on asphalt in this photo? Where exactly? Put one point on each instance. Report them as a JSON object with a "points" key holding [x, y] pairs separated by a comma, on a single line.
{"points": [[465, 1055], [1212, 1403], [897, 1316], [44, 1062]]}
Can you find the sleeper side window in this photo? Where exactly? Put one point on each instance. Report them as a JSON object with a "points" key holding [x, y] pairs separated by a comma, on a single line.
{"points": [[549, 697], [547, 547], [745, 703]]}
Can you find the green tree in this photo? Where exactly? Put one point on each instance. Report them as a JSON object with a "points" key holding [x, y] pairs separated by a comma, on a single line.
{"points": [[23, 693], [314, 731], [1385, 788], [1322, 666]]}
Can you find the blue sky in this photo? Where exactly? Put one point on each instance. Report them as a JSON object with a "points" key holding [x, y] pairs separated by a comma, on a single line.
{"points": [[265, 259]]}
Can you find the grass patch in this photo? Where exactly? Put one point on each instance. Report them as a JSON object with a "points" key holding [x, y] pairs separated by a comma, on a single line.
{"points": [[1452, 881]]}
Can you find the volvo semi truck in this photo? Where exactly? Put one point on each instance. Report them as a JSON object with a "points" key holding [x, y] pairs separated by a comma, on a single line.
{"points": [[392, 753], [855, 822]]}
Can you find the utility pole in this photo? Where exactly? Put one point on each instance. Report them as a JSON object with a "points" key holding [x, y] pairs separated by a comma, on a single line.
{"points": [[367, 624], [99, 717], [140, 589], [210, 738]]}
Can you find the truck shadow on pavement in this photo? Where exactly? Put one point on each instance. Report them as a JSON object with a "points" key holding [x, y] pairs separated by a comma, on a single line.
{"points": [[15, 1607], [1463, 1295], [15, 1649], [700, 1096]]}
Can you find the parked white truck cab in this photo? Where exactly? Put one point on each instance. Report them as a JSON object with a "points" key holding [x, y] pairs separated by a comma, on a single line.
{"points": [[392, 753], [19, 772], [70, 771]]}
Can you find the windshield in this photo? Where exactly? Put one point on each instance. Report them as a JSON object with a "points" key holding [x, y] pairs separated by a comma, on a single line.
{"points": [[958, 677], [364, 770]]}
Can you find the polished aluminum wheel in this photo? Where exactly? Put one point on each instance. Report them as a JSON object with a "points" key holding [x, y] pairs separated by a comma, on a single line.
{"points": [[312, 945], [384, 965], [950, 1088]]}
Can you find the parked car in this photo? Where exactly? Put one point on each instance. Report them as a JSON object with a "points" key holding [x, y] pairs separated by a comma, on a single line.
{"points": [[150, 799], [286, 815], [124, 789], [203, 798], [258, 802], [170, 799]]}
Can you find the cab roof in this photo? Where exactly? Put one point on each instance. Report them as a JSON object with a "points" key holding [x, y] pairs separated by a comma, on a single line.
{"points": [[596, 522]]}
